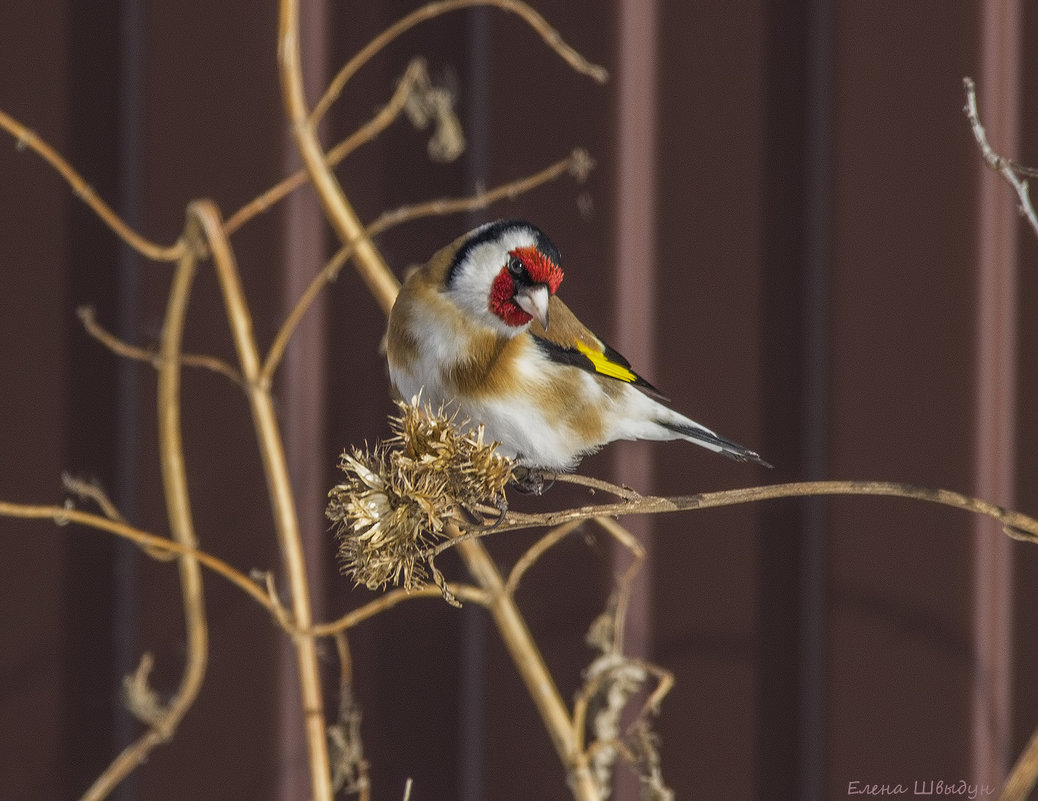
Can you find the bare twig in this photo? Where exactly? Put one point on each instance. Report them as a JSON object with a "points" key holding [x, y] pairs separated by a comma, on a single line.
{"points": [[279, 487], [160, 547], [536, 551], [465, 592], [27, 138], [1005, 167], [150, 543], [625, 584], [178, 506], [625, 493], [150, 355], [578, 164], [284, 335], [370, 265], [366, 133], [92, 491], [1015, 524], [531, 668], [89, 490], [550, 36]]}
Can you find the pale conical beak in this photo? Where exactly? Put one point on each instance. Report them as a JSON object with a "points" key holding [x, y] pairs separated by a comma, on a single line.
{"points": [[534, 301]]}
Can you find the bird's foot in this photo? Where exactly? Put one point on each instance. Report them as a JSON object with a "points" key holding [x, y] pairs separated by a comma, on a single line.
{"points": [[532, 480]]}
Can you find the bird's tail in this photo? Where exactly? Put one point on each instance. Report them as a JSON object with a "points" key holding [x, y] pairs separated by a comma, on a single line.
{"points": [[701, 435]]}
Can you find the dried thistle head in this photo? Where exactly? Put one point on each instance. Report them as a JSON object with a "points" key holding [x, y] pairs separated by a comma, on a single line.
{"points": [[397, 499]]}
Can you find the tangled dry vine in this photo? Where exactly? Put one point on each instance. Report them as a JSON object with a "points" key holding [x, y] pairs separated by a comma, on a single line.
{"points": [[206, 238]]}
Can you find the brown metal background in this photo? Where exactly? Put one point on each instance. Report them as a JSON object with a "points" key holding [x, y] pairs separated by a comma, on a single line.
{"points": [[788, 232]]}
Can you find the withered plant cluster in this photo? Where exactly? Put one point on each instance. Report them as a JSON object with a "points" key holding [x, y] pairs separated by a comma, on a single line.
{"points": [[398, 498], [435, 484]]}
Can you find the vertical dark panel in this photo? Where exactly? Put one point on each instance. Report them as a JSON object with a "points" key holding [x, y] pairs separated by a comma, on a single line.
{"points": [[783, 550], [709, 332], [815, 414], [130, 374], [33, 329], [901, 660], [91, 668], [793, 574]]}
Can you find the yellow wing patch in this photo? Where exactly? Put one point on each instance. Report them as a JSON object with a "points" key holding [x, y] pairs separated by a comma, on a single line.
{"points": [[606, 367]]}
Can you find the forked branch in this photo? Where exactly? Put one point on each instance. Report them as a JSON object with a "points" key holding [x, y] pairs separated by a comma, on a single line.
{"points": [[1010, 170]]}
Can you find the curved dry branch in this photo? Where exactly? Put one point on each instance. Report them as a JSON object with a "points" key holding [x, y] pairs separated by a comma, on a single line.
{"points": [[279, 487], [532, 554], [164, 721], [466, 592], [531, 668], [551, 37], [1016, 525], [149, 355], [578, 164], [152, 544], [162, 548], [1005, 167], [370, 265], [413, 75], [27, 138]]}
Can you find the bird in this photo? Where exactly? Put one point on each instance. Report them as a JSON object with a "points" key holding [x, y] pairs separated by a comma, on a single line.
{"points": [[479, 328]]}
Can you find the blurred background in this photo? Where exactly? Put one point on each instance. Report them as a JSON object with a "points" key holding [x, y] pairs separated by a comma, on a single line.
{"points": [[789, 231]]}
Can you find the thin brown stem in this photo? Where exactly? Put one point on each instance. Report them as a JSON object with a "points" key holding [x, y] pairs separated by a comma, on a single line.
{"points": [[178, 508], [625, 584], [92, 491], [536, 551], [370, 265], [149, 355], [27, 138], [578, 164], [597, 484], [529, 662], [152, 544], [366, 133], [1007, 168], [550, 36], [284, 335], [465, 592], [279, 488], [1016, 524]]}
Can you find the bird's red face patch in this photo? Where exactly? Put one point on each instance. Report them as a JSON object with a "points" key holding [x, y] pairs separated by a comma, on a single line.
{"points": [[542, 270], [537, 268]]}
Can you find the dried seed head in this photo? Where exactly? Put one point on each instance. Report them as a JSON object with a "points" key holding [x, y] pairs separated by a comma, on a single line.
{"points": [[396, 500]]}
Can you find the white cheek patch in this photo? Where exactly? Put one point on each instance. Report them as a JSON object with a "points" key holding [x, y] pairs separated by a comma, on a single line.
{"points": [[470, 289]]}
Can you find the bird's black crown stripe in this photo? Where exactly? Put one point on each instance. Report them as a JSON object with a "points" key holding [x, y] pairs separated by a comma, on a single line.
{"points": [[493, 231], [547, 247]]}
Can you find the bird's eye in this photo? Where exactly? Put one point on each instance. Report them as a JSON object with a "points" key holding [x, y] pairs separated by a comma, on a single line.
{"points": [[515, 267]]}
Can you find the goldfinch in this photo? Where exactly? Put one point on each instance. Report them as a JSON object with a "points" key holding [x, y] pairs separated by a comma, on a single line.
{"points": [[479, 328]]}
